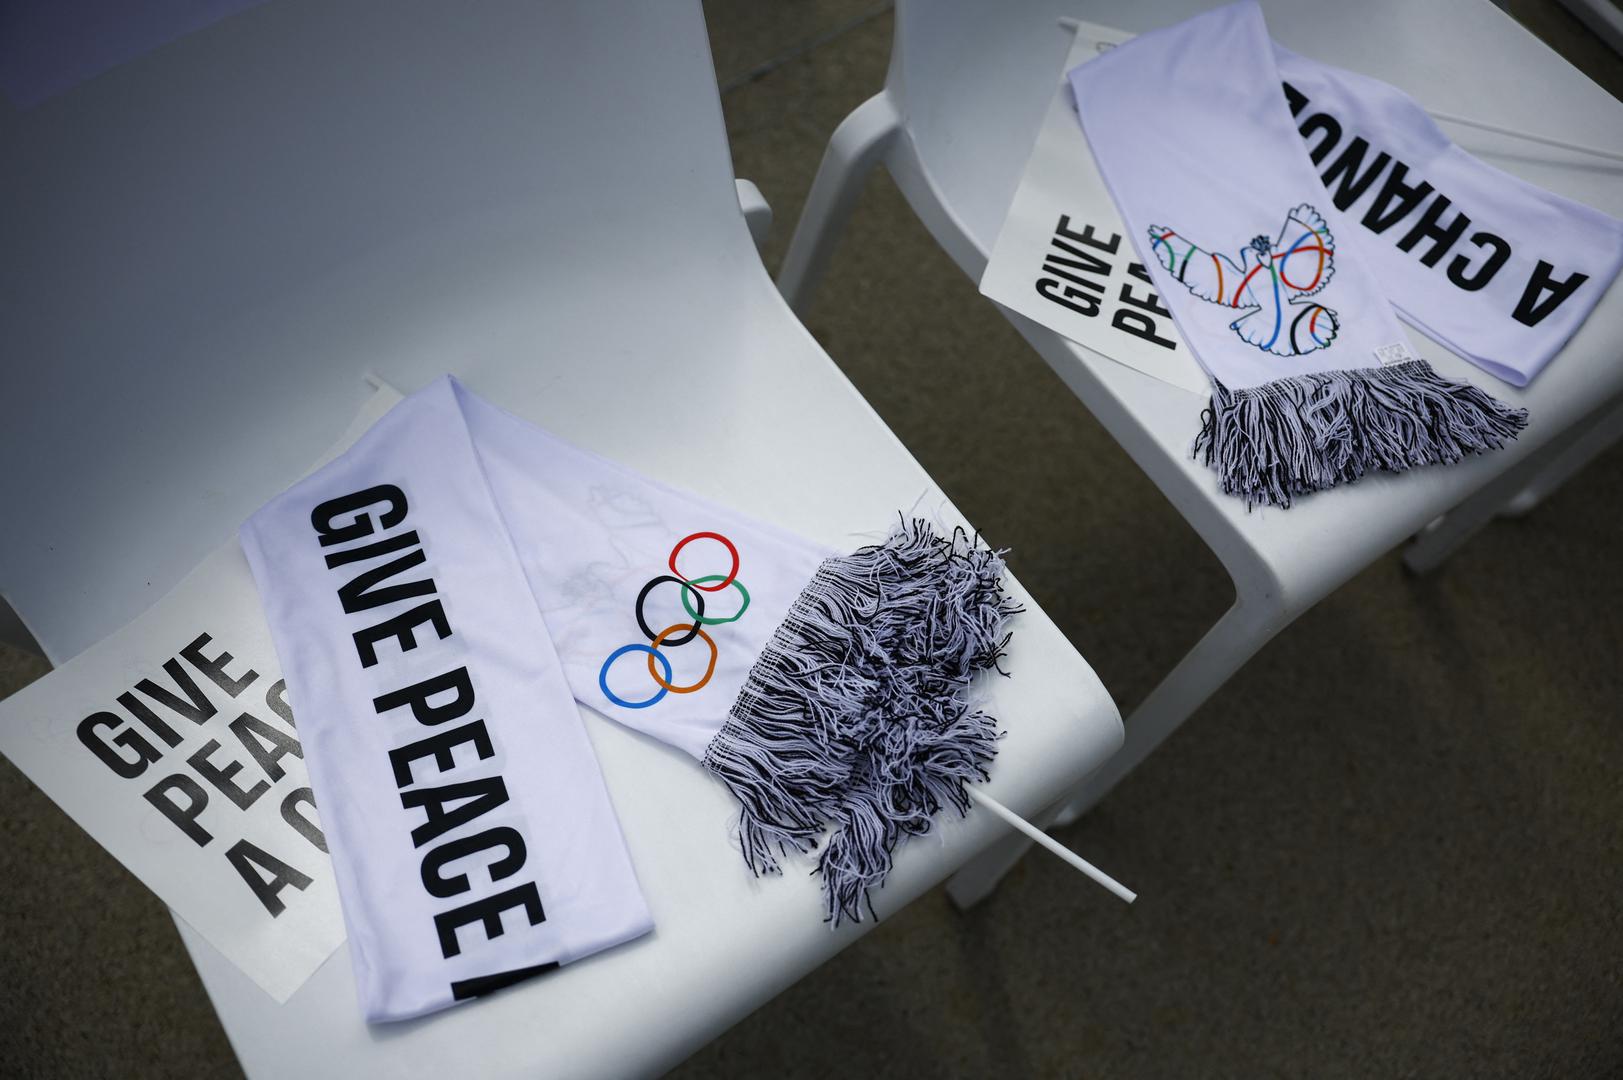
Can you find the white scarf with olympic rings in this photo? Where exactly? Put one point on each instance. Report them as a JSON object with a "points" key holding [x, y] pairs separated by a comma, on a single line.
{"points": [[443, 593]]}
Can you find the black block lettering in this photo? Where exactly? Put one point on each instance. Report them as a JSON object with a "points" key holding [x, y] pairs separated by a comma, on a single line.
{"points": [[1313, 125], [1396, 200], [1078, 301], [196, 707], [141, 712], [1086, 283], [397, 542], [1138, 323], [511, 862], [1347, 185], [400, 628], [164, 794], [480, 985], [130, 739], [1544, 294], [305, 827], [1441, 237], [359, 594], [1460, 265], [276, 701], [1084, 261], [418, 696], [249, 860], [1296, 99], [215, 669], [1086, 236], [489, 912], [221, 778], [1150, 302], [325, 517], [265, 744], [472, 798], [439, 746]]}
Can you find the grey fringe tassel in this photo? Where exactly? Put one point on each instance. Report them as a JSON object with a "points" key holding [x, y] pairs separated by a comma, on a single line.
{"points": [[1307, 433], [854, 716]]}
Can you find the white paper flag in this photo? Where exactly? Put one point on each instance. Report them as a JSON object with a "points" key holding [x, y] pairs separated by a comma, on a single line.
{"points": [[1063, 257], [443, 594], [172, 743]]}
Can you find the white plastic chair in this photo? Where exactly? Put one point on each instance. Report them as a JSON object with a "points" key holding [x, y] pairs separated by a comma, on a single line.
{"points": [[222, 237], [967, 88]]}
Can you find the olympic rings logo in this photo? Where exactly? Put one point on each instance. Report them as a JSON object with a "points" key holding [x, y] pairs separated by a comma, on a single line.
{"points": [[692, 594]]}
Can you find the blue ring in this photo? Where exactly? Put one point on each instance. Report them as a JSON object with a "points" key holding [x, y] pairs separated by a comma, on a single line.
{"points": [[603, 675]]}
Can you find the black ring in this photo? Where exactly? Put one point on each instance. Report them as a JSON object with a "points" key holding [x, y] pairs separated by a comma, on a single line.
{"points": [[642, 622]]}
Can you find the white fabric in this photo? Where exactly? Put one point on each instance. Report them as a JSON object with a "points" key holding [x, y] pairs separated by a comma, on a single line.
{"points": [[1197, 147], [591, 534], [1463, 261], [505, 553], [1201, 154]]}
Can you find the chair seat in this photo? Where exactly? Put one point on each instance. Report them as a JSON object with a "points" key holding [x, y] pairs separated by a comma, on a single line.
{"points": [[543, 205], [724, 943], [974, 84]]}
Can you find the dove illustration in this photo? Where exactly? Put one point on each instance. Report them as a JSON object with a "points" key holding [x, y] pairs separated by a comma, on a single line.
{"points": [[1270, 283]]}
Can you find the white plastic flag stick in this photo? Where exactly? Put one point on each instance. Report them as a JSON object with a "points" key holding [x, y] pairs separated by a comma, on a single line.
{"points": [[1053, 845], [1609, 155], [1075, 25]]}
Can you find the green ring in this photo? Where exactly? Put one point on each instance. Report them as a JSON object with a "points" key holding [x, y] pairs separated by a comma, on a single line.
{"points": [[687, 605]]}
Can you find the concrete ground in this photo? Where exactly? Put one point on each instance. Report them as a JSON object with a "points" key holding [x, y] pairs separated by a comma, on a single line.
{"points": [[1390, 846]]}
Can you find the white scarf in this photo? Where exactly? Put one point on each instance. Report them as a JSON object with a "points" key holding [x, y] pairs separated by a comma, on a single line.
{"points": [[1285, 297], [1500, 271], [440, 593]]}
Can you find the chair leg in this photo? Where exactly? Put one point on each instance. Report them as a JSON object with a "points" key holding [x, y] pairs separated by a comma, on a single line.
{"points": [[857, 146], [1518, 491], [1231, 641]]}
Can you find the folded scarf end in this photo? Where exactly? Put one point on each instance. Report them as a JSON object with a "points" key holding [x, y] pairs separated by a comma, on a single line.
{"points": [[855, 717], [1270, 444]]}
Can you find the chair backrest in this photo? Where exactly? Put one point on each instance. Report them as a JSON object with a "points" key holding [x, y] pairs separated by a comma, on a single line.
{"points": [[206, 247], [960, 65]]}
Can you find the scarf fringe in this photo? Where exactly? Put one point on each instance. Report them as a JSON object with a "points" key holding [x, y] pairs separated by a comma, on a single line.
{"points": [[855, 714], [1294, 436]]}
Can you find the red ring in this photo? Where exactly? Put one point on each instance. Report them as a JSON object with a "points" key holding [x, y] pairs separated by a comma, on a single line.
{"points": [[728, 544], [1319, 247]]}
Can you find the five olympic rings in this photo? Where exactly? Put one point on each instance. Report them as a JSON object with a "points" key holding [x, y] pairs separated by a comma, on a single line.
{"points": [[678, 634]]}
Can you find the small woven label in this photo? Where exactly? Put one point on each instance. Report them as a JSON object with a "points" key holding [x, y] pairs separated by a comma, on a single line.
{"points": [[1395, 353]]}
